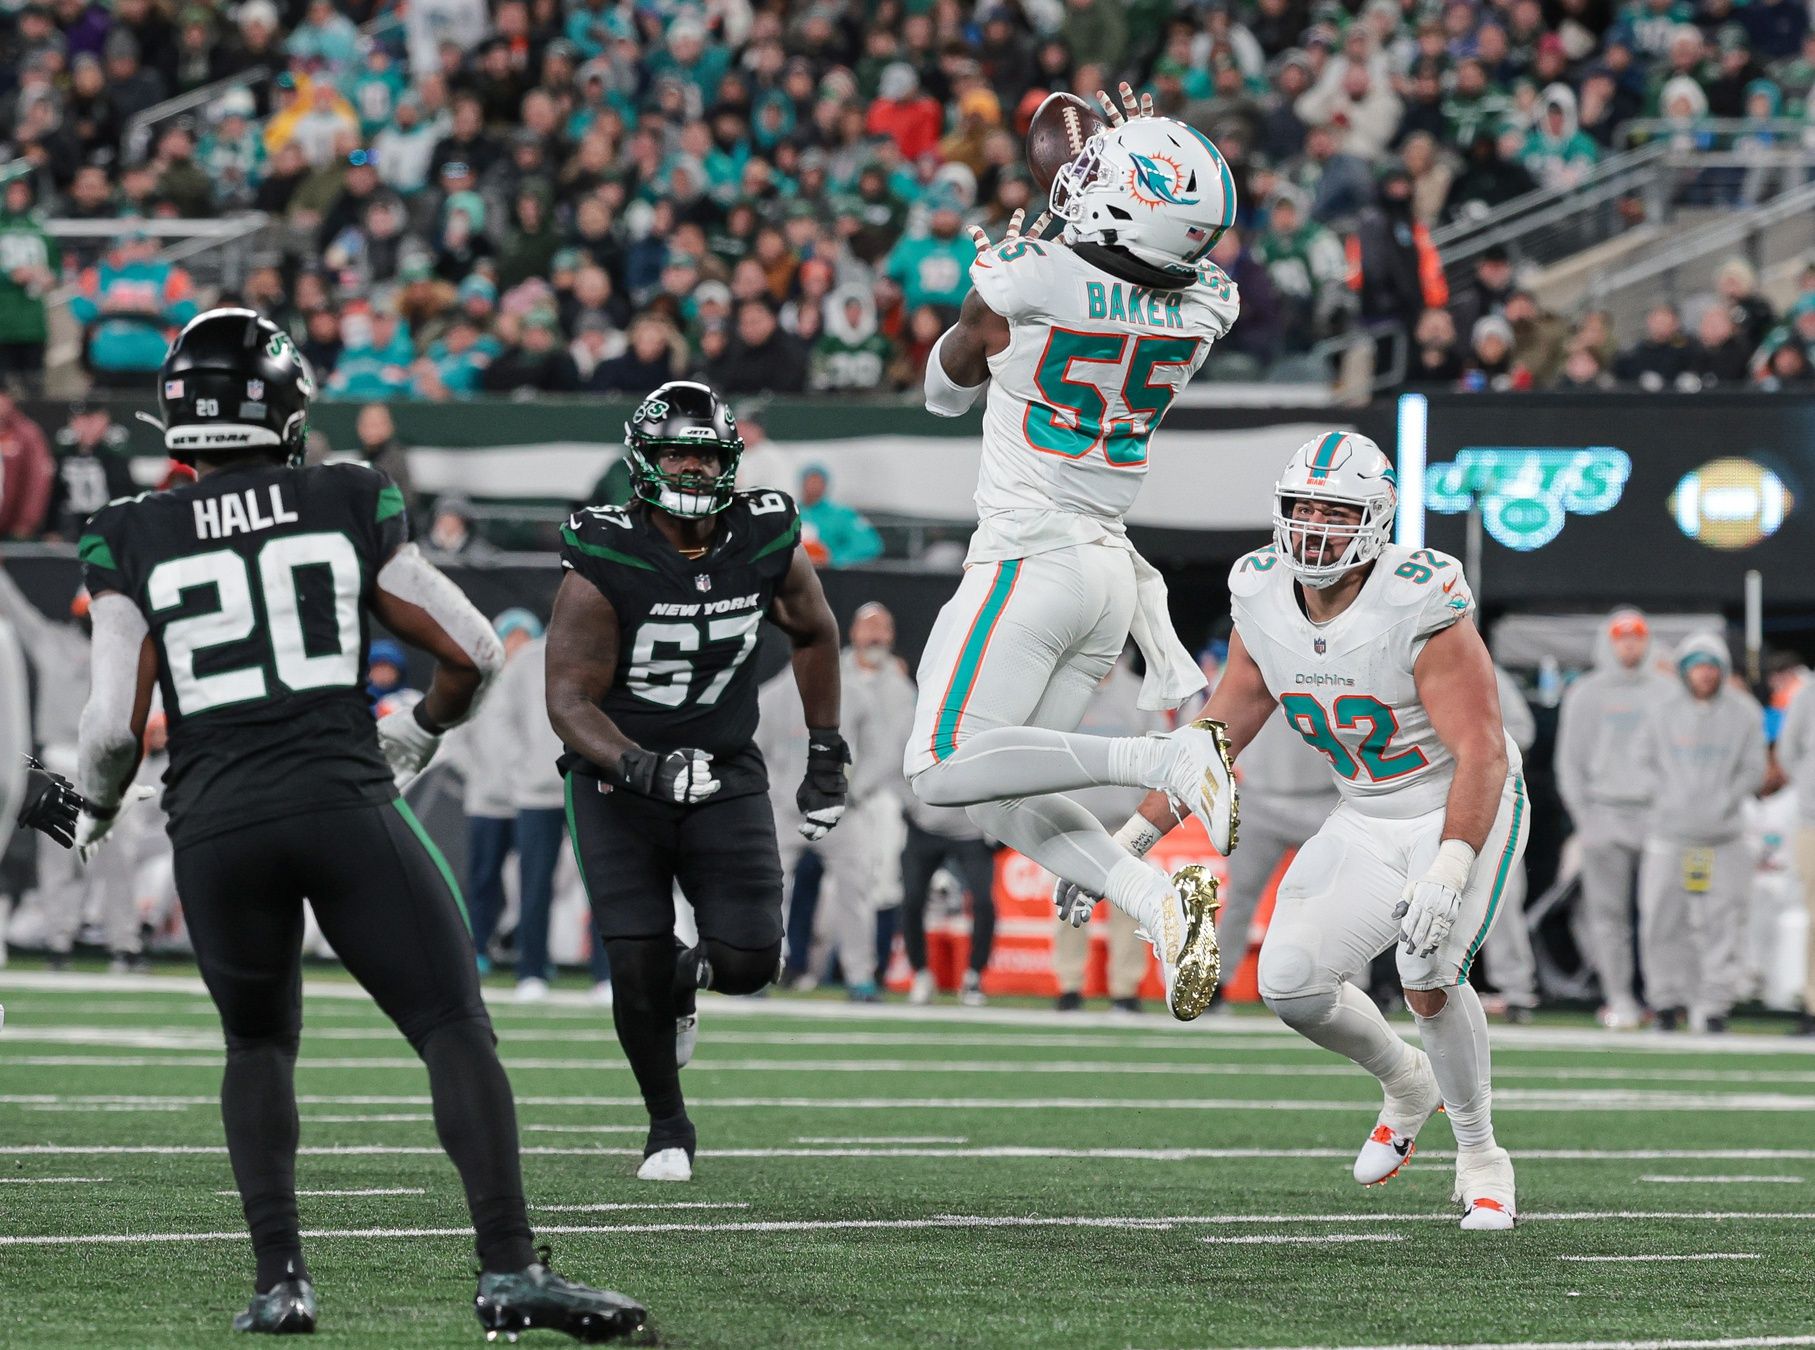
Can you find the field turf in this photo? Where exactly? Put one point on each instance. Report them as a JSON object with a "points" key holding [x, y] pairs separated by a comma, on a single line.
{"points": [[1008, 1178]]}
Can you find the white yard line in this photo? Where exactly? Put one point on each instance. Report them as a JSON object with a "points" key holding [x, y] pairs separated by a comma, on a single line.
{"points": [[586, 1129], [394, 1118], [1546, 1101], [1288, 1240], [368, 1190], [1661, 1256], [1723, 1343], [937, 1221], [49, 1181], [1023, 1151], [1663, 1180], [882, 1139], [1224, 1027], [650, 1204]]}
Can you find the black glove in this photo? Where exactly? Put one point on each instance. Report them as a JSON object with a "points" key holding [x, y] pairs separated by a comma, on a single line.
{"points": [[50, 804], [680, 776], [826, 787]]}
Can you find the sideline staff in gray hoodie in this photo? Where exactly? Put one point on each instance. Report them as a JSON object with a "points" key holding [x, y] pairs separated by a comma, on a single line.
{"points": [[1703, 748], [1597, 735], [1796, 754]]}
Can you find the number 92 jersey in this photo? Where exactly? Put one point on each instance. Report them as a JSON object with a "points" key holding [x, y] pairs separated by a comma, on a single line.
{"points": [[255, 583], [687, 627], [1092, 365], [1346, 686]]}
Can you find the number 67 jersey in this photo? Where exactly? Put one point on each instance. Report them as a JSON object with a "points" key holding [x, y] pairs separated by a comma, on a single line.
{"points": [[1346, 686], [1092, 365], [687, 627]]}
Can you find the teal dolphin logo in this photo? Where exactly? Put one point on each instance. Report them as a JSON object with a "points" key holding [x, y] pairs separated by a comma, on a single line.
{"points": [[1158, 179]]}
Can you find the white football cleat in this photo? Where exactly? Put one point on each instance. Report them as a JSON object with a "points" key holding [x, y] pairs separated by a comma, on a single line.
{"points": [[921, 992], [532, 990], [1390, 1146], [686, 1038], [602, 994], [1622, 1017], [1204, 780], [670, 1164], [970, 993], [1484, 1189], [1189, 957]]}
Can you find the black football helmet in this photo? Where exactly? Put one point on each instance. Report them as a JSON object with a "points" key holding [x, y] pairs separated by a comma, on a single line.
{"points": [[683, 413], [234, 381]]}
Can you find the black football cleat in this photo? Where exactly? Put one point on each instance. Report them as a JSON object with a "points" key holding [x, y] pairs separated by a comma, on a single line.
{"points": [[286, 1309], [512, 1302]]}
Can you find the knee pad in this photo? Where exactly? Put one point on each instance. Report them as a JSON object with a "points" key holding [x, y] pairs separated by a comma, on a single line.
{"points": [[285, 1043], [1425, 972], [741, 970], [451, 1029], [1292, 985], [931, 785]]}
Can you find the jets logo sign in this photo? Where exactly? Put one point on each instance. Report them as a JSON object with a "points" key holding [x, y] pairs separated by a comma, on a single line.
{"points": [[1526, 492], [651, 410]]}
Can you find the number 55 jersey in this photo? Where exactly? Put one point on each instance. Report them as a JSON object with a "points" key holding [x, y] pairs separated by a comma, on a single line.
{"points": [[1092, 365], [255, 584], [1347, 687], [687, 627]]}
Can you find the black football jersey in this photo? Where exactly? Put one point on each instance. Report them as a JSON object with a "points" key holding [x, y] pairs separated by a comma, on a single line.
{"points": [[688, 628], [256, 583]]}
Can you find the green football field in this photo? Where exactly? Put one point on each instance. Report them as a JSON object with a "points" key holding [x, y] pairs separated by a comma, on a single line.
{"points": [[880, 1178]]}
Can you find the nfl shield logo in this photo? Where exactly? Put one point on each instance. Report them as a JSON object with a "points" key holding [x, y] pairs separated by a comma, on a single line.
{"points": [[1319, 646], [255, 390], [703, 582]]}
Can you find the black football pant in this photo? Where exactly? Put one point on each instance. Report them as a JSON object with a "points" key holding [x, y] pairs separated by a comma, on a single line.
{"points": [[388, 905], [974, 862], [632, 852]]}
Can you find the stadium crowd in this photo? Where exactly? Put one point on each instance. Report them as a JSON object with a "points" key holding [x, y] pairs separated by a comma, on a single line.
{"points": [[531, 196]]}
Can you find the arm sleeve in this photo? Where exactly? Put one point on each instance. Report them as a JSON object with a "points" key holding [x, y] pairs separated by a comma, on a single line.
{"points": [[106, 746], [1572, 785], [413, 579], [1792, 749], [1752, 758]]}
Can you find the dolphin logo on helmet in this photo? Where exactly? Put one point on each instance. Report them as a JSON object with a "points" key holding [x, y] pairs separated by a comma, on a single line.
{"points": [[1342, 468]]}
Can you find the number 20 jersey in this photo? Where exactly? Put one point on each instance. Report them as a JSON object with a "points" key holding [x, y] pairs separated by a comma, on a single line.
{"points": [[688, 628], [1092, 364], [256, 583], [1346, 686]]}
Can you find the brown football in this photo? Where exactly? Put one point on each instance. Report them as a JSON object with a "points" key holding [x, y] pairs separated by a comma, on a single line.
{"points": [[1056, 135]]}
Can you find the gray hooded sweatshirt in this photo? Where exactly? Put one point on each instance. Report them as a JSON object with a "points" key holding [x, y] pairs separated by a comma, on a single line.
{"points": [[1796, 750], [1597, 744], [1706, 757]]}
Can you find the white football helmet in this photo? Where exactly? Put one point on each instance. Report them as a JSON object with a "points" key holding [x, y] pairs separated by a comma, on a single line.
{"points": [[1344, 467], [1153, 186]]}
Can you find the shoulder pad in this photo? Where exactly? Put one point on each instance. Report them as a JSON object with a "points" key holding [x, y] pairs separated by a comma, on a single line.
{"points": [[1013, 275], [1428, 583], [1254, 572], [772, 519], [1218, 297]]}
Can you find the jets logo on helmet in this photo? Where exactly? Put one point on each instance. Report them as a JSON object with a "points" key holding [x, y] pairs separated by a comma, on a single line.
{"points": [[1339, 469], [684, 415]]}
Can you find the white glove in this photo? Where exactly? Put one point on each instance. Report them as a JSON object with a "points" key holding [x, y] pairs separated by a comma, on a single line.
{"points": [[1428, 907], [408, 746], [92, 829], [1074, 903]]}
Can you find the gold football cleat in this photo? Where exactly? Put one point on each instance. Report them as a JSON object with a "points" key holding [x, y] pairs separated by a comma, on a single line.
{"points": [[1200, 959], [1211, 787]]}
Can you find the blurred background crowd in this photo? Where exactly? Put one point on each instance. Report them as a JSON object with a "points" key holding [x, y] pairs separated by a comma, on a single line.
{"points": [[525, 197]]}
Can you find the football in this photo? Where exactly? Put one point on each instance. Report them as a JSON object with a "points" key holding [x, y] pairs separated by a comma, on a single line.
{"points": [[1056, 135]]}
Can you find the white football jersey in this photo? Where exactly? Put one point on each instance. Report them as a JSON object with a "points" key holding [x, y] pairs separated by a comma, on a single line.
{"points": [[1346, 686], [1092, 364]]}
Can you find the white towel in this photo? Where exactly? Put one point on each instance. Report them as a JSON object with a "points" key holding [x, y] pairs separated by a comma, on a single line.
{"points": [[1172, 676]]}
